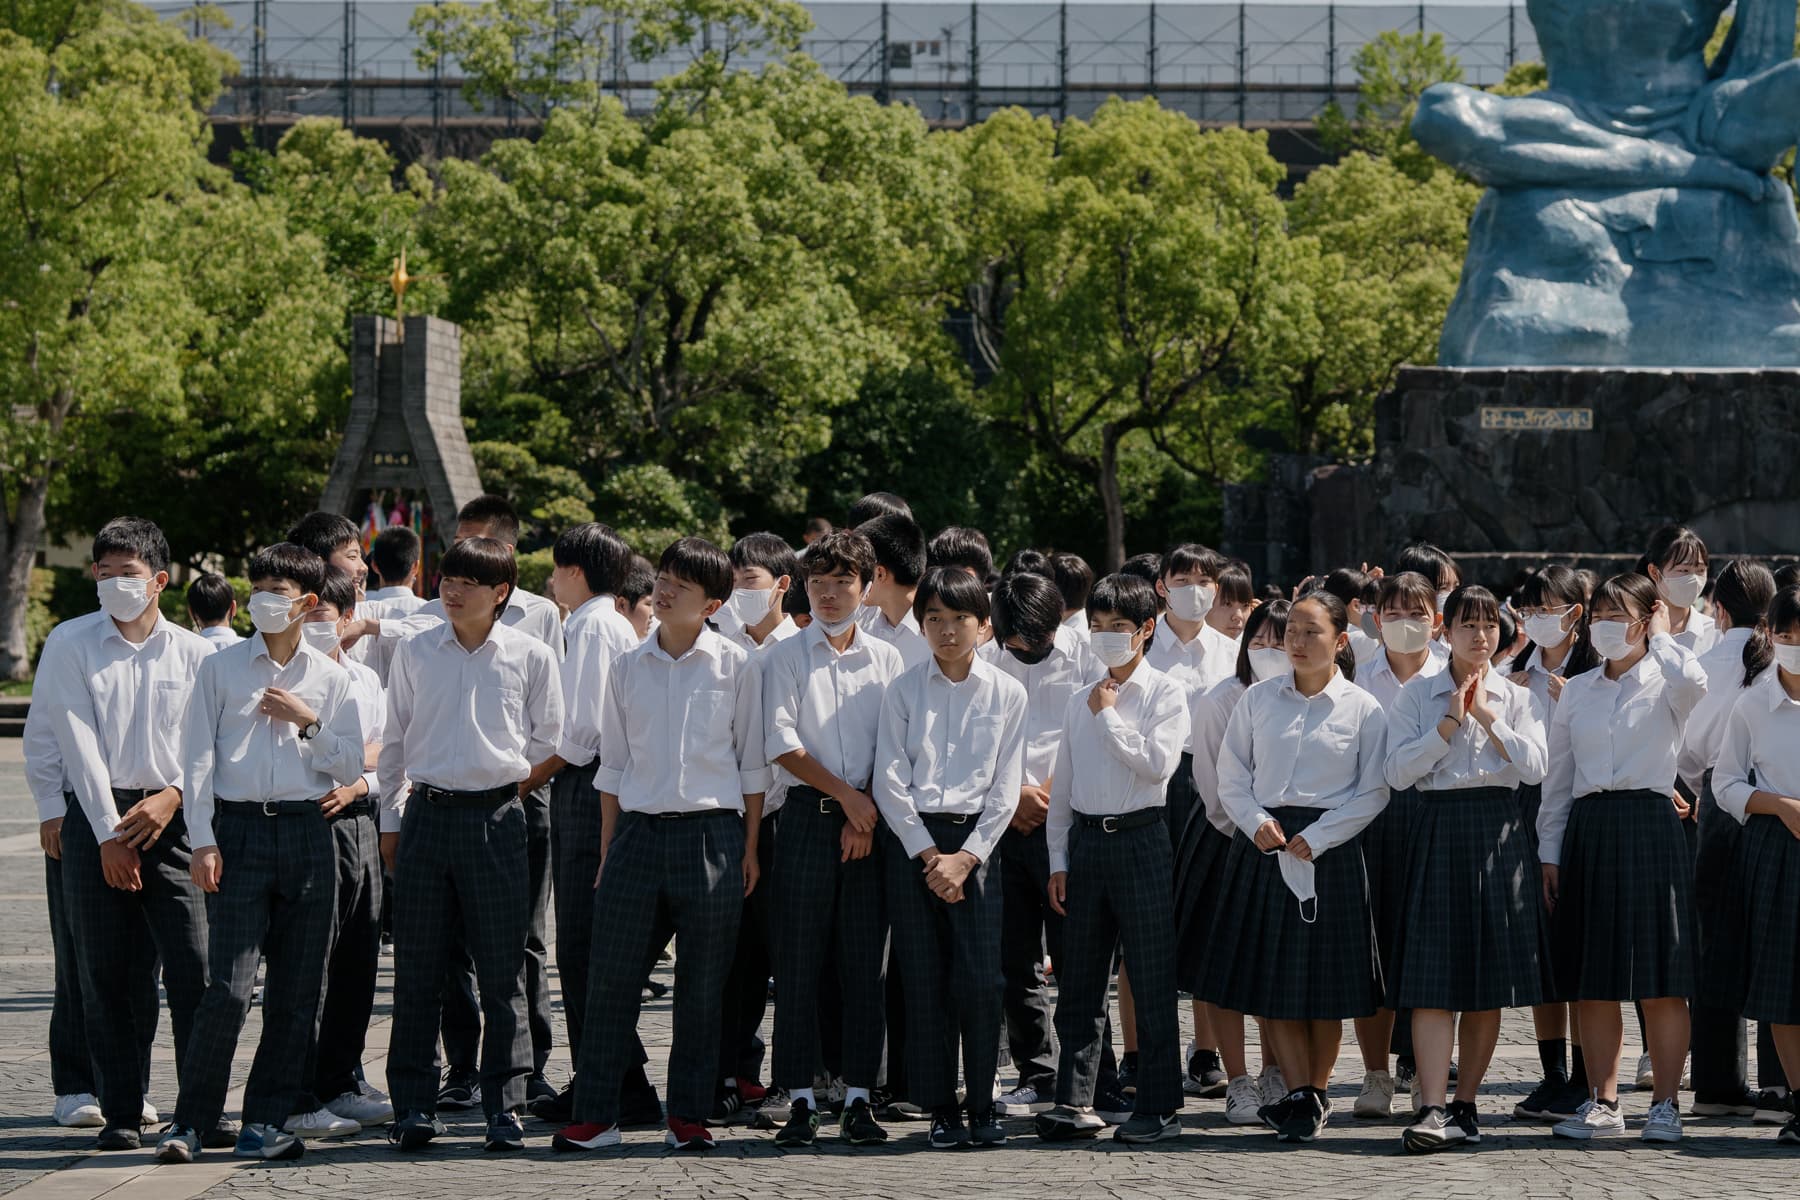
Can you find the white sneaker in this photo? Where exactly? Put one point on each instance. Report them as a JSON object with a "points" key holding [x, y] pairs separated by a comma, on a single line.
{"points": [[148, 1116], [365, 1107], [1592, 1120], [1664, 1122], [1241, 1101], [1376, 1100], [81, 1110], [1646, 1074], [1271, 1085], [321, 1123]]}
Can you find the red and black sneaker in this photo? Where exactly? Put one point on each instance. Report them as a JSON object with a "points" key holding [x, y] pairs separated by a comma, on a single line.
{"points": [[688, 1135], [587, 1136], [753, 1093]]}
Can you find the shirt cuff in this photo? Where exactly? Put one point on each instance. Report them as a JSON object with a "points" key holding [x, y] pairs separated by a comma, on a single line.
{"points": [[752, 782], [916, 838], [1059, 862], [50, 807], [608, 779], [576, 755], [780, 742]]}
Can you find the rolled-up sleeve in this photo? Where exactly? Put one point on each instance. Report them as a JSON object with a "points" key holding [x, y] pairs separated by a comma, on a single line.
{"points": [[747, 731]]}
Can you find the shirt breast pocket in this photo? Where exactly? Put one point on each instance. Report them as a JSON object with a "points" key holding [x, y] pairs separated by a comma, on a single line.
{"points": [[1637, 714], [501, 707], [709, 714], [983, 749], [169, 701]]}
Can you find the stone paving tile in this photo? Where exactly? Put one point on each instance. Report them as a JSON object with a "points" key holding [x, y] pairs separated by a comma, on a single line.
{"points": [[1354, 1158]]}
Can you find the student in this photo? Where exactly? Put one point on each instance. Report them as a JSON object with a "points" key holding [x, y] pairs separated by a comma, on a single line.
{"points": [[1742, 592], [394, 561], [1235, 599], [899, 562], [271, 734], [211, 607], [338, 1102], [959, 546], [822, 696], [1472, 938], [1551, 602], [1054, 665], [1300, 773], [1617, 873], [1075, 579], [1111, 868], [1031, 562], [816, 528], [1407, 621], [873, 505], [473, 705], [114, 687], [1676, 563], [1361, 593], [763, 568], [949, 764], [633, 601], [1757, 782], [1423, 558], [681, 781], [1200, 862], [1147, 567]]}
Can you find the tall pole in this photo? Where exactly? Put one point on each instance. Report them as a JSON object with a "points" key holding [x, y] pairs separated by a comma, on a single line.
{"points": [[1152, 55], [974, 61], [1062, 61], [886, 57], [349, 64], [1243, 64]]}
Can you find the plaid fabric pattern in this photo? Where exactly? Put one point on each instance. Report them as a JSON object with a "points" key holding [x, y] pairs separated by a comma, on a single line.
{"points": [[277, 901], [1120, 888], [1181, 801], [1264, 960], [1719, 904], [1472, 934], [1199, 865], [116, 959], [1387, 860], [681, 876], [350, 971], [575, 856], [1624, 922], [746, 996], [460, 870], [1768, 861], [1028, 927]]}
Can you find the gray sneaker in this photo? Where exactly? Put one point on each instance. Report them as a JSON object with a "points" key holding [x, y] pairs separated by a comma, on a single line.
{"points": [[1143, 1128], [1028, 1101], [179, 1145], [1663, 1123], [1594, 1119]]}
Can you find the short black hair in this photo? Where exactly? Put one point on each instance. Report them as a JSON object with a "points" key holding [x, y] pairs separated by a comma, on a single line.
{"points": [[1351, 583], [1192, 556], [286, 560], [818, 525], [841, 550], [488, 561], [769, 551], [1074, 579], [1234, 584], [1029, 561], [1126, 596], [1147, 567], [324, 532], [960, 546], [877, 504], [794, 601], [496, 514], [1275, 611], [338, 590], [698, 561], [141, 539], [1423, 558], [1674, 546], [640, 581], [955, 589], [899, 546], [209, 597], [1028, 606], [394, 553], [602, 555]]}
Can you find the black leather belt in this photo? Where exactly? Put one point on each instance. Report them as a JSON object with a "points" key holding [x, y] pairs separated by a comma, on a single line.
{"points": [[689, 814], [947, 818], [809, 796], [125, 799], [267, 808], [362, 806], [445, 798], [1121, 822]]}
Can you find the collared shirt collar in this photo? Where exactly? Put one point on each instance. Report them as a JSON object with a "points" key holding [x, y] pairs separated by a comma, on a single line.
{"points": [[259, 648], [1444, 682], [708, 643], [816, 637], [1776, 694], [603, 600], [1335, 687], [1137, 678], [161, 627], [936, 672], [445, 633]]}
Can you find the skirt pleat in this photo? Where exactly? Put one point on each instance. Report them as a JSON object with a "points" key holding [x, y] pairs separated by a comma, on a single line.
{"points": [[1387, 853], [1769, 865], [1199, 867]]}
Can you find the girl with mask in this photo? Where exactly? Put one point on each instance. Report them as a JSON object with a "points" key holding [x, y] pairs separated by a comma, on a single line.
{"points": [[1472, 937], [1200, 859], [1676, 563], [1300, 774], [1618, 878]]}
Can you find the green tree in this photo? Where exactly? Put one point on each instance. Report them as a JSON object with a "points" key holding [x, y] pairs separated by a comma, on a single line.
{"points": [[1392, 72]]}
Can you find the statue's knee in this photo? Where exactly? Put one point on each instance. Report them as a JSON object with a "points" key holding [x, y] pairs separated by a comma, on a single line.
{"points": [[1449, 117]]}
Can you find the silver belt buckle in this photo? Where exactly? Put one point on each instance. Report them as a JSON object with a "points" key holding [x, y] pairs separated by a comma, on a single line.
{"points": [[824, 806], [1109, 824], [271, 808]]}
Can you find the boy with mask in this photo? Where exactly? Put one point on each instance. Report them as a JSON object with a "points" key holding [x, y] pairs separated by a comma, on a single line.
{"points": [[763, 568]]}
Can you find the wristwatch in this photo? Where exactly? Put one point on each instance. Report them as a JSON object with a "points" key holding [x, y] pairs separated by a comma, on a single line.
{"points": [[309, 731]]}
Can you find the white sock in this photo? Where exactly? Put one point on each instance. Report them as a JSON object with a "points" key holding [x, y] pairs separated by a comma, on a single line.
{"points": [[796, 1095], [852, 1095]]}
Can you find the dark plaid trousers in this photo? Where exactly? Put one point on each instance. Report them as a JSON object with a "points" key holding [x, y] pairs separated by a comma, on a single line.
{"points": [[746, 996], [680, 875], [277, 901], [460, 872], [117, 967], [1119, 891], [824, 906], [71, 1066], [461, 1010], [351, 970], [949, 960], [1029, 927]]}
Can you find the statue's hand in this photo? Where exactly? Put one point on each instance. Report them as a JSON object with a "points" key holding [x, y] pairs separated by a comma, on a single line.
{"points": [[1711, 171]]}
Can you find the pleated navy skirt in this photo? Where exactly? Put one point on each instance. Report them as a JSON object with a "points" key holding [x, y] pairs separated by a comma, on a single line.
{"points": [[1199, 869], [1472, 933], [1768, 862], [1387, 852], [1719, 903], [1263, 959], [1180, 801], [1624, 922]]}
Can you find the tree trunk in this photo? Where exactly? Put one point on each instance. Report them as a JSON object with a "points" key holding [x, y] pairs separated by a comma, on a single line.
{"points": [[18, 551], [1110, 500]]}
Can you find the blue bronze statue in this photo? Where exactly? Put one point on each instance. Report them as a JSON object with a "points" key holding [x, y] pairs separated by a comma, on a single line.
{"points": [[1631, 218]]}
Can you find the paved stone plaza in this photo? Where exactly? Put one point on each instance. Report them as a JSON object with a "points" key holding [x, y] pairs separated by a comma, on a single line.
{"points": [[1355, 1158]]}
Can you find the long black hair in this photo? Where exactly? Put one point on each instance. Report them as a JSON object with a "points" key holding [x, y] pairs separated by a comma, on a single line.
{"points": [[1759, 651], [1339, 618], [1275, 613]]}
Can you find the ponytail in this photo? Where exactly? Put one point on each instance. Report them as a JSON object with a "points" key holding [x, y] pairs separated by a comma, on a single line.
{"points": [[1783, 614], [1346, 663]]}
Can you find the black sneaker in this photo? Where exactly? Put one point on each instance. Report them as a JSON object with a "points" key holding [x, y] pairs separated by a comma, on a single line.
{"points": [[1463, 1115], [1306, 1119], [1566, 1103], [1205, 1075], [538, 1088], [1144, 1128], [802, 1127], [1128, 1072], [504, 1133], [1790, 1133], [1537, 1106], [558, 1108], [1741, 1103], [1113, 1105], [461, 1091], [947, 1129], [1273, 1115], [415, 1130], [985, 1128], [222, 1136], [858, 1126], [728, 1107], [123, 1137], [1065, 1123]]}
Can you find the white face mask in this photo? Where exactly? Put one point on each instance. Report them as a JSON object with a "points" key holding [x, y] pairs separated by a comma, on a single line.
{"points": [[124, 597], [1297, 874], [1788, 658], [1192, 602], [748, 606], [1406, 635], [1366, 623], [1681, 591], [1611, 639], [1546, 629], [834, 628], [1266, 662], [271, 613], [321, 636], [1442, 598], [1113, 649]]}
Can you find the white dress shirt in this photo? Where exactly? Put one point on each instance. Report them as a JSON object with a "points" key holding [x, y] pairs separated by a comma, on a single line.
{"points": [[1363, 647], [1537, 679], [1701, 634], [596, 636], [1118, 760], [951, 749], [1069, 670], [1283, 749], [904, 637], [1195, 664], [234, 751], [467, 721], [383, 604], [1210, 716], [371, 711], [1377, 677], [779, 780], [784, 629], [117, 709], [828, 703], [1418, 757], [1617, 734], [1723, 666], [683, 734], [525, 611], [43, 765], [1760, 750], [1077, 623], [221, 636]]}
